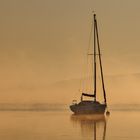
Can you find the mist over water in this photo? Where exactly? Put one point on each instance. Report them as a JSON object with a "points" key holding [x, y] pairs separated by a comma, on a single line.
{"points": [[60, 107], [63, 125], [31, 107]]}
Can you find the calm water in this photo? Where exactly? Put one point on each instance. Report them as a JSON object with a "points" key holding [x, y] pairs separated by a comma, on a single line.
{"points": [[61, 125]]}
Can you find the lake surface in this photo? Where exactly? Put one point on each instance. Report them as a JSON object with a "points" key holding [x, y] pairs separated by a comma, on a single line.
{"points": [[62, 125]]}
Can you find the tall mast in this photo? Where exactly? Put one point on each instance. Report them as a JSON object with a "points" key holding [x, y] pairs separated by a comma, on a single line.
{"points": [[100, 61], [94, 56]]}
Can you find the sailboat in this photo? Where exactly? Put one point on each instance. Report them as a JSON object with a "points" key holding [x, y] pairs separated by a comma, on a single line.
{"points": [[93, 106]]}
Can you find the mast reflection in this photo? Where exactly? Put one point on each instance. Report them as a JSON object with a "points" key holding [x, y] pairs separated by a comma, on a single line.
{"points": [[91, 125]]}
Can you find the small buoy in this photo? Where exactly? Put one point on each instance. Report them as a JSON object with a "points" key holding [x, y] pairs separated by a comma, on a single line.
{"points": [[107, 113]]}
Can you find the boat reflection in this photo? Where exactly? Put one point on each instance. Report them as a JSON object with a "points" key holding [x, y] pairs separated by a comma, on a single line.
{"points": [[91, 125]]}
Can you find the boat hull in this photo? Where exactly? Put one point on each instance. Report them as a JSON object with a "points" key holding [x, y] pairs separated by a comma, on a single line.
{"points": [[88, 107]]}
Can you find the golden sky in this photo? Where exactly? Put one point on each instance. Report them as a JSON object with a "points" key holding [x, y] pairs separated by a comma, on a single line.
{"points": [[45, 41]]}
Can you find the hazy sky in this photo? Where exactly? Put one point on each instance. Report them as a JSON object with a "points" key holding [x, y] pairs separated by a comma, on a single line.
{"points": [[44, 41]]}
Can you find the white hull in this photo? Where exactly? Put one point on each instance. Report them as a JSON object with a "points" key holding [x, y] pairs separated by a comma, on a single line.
{"points": [[88, 107]]}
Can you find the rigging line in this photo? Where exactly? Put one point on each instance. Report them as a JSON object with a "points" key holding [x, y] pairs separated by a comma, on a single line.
{"points": [[86, 81], [85, 75], [89, 58], [81, 83], [98, 44], [89, 78], [90, 36]]}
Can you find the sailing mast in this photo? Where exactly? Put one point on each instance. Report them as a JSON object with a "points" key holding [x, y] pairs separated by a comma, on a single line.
{"points": [[96, 36], [94, 57]]}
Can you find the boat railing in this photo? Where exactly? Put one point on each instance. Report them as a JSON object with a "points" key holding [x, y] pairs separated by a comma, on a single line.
{"points": [[74, 102]]}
